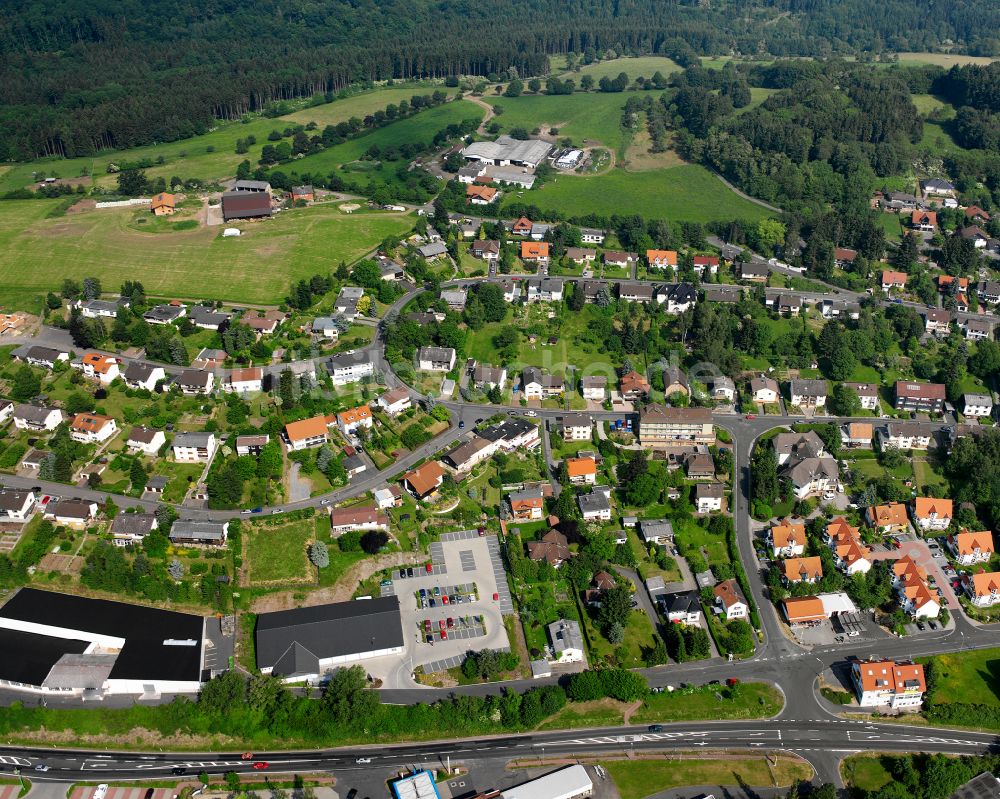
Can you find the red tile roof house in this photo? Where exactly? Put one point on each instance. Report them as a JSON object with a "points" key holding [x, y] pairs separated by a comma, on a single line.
{"points": [[971, 548], [357, 517]]}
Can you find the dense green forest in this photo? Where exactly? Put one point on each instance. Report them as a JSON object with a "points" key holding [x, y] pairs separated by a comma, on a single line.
{"points": [[76, 76]]}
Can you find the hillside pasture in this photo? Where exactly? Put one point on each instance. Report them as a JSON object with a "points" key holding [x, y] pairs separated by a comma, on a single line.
{"points": [[420, 128], [643, 66], [257, 267], [211, 156], [946, 60], [586, 117], [682, 193]]}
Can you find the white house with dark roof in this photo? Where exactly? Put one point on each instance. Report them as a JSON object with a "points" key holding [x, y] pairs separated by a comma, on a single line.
{"points": [[194, 447], [350, 367], [196, 381], [139, 375], [36, 417], [977, 405], [129, 529], [436, 359], [146, 440]]}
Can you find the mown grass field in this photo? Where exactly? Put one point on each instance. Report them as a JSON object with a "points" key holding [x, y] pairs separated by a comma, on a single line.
{"points": [[640, 778], [971, 677], [689, 193], [37, 253], [586, 117], [945, 60], [643, 66], [211, 156], [419, 128], [361, 104]]}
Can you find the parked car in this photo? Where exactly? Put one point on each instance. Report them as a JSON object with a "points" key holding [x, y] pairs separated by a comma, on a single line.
{"points": [[451, 622], [100, 791]]}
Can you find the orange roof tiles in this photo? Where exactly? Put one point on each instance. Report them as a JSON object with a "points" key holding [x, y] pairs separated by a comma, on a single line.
{"points": [[985, 583], [788, 533], [668, 257], [799, 569], [891, 515], [99, 363], [487, 193], [890, 277], [969, 543], [308, 428], [162, 200], [354, 415], [888, 675], [926, 507], [534, 249], [804, 608], [89, 422], [424, 479], [580, 467]]}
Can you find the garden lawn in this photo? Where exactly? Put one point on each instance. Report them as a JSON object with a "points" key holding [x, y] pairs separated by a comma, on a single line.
{"points": [[968, 677], [278, 552], [639, 636], [258, 266], [639, 778], [178, 474], [685, 193]]}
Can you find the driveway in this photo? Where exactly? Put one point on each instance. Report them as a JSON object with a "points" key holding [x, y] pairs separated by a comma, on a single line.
{"points": [[641, 595]]}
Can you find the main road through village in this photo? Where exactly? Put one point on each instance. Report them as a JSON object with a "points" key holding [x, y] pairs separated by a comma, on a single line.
{"points": [[807, 725]]}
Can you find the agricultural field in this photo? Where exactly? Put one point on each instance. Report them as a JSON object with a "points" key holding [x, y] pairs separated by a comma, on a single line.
{"points": [[257, 267], [945, 60], [211, 156], [361, 104], [643, 66], [587, 118], [419, 128], [689, 193]]}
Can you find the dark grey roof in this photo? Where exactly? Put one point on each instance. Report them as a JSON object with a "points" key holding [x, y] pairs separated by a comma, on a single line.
{"points": [[43, 354], [36, 655], [202, 315], [184, 529], [345, 360], [192, 439], [164, 313], [593, 502], [197, 378], [11, 499], [138, 372], [983, 786], [80, 672], [252, 185], [158, 481], [684, 602], [327, 631], [133, 524], [156, 641], [507, 430], [71, 508]]}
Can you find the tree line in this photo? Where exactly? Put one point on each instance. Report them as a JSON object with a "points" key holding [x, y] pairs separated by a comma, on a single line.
{"points": [[77, 77]]}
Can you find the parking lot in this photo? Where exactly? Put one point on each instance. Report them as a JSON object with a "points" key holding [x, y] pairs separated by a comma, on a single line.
{"points": [[463, 584]]}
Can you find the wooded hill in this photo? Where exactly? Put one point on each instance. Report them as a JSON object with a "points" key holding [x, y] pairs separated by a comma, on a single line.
{"points": [[76, 77]]}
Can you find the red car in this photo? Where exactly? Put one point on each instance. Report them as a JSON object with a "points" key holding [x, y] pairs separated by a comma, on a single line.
{"points": [[444, 636], [444, 599], [732, 681], [429, 568], [248, 756], [260, 765], [482, 531], [496, 597], [750, 417], [451, 622], [427, 625], [443, 624]]}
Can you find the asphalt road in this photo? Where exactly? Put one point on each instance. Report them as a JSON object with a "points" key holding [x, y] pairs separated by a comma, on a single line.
{"points": [[820, 741]]}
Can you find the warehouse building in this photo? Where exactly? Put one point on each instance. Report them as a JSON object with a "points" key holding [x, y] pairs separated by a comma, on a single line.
{"points": [[305, 643], [506, 151], [572, 782], [92, 647]]}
